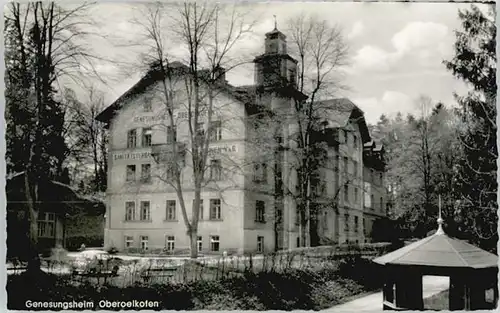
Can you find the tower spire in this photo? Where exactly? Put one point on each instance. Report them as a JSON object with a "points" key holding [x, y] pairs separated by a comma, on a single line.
{"points": [[275, 23], [440, 230]]}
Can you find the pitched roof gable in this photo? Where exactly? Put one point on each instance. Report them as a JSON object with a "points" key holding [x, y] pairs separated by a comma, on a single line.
{"points": [[340, 111], [442, 251], [243, 94]]}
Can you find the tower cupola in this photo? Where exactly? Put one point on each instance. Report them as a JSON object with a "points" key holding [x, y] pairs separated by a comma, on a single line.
{"points": [[275, 67], [275, 42]]}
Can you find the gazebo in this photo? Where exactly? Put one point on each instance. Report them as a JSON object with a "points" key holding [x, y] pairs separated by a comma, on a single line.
{"points": [[472, 272]]}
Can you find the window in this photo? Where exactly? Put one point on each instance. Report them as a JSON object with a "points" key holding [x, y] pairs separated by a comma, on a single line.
{"points": [[260, 172], [298, 242], [200, 130], [147, 105], [364, 226], [346, 222], [346, 192], [355, 142], [146, 173], [130, 175], [171, 134], [215, 209], [199, 243], [129, 210], [201, 209], [214, 243], [129, 241], [145, 206], [346, 166], [131, 138], [380, 178], [371, 202], [356, 223], [297, 216], [216, 130], [146, 136], [381, 204], [170, 243], [215, 170], [279, 215], [260, 244], [47, 225], [336, 166], [325, 220], [260, 208], [170, 172], [356, 195], [144, 242], [355, 169], [170, 210], [367, 192]]}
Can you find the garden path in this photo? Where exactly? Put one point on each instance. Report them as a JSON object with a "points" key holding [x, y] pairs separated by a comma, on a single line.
{"points": [[373, 302]]}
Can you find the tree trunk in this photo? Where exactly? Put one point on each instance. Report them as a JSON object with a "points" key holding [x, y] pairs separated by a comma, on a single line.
{"points": [[30, 193], [307, 214], [194, 243]]}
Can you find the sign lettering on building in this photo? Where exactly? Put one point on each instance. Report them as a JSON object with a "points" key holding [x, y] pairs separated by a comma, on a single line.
{"points": [[132, 156], [153, 119], [149, 119], [222, 149]]}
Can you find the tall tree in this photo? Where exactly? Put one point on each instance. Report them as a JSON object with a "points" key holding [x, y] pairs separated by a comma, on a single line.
{"points": [[86, 139], [42, 45], [322, 53], [475, 63], [208, 33]]}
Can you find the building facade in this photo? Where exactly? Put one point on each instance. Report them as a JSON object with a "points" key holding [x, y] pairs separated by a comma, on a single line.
{"points": [[244, 206], [375, 200]]}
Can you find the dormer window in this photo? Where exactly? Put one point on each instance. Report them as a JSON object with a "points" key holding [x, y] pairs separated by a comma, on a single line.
{"points": [[148, 107]]}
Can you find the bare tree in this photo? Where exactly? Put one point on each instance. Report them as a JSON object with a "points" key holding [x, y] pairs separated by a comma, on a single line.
{"points": [[322, 53], [44, 42], [86, 137], [208, 34]]}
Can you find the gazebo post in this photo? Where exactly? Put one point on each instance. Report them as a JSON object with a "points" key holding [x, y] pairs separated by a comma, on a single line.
{"points": [[457, 294], [413, 290], [409, 290], [477, 291], [495, 295]]}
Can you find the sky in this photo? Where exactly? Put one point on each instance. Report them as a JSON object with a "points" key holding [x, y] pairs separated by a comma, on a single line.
{"points": [[396, 49]]}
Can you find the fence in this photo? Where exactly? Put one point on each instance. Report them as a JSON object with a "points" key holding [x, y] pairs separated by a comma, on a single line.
{"points": [[156, 270]]}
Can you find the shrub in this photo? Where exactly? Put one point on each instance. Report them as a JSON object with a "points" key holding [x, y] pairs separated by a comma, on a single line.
{"points": [[73, 243], [112, 250], [290, 289]]}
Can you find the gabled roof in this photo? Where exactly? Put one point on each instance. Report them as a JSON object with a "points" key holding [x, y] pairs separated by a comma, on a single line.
{"points": [[244, 94], [338, 112], [153, 75], [440, 250], [61, 197]]}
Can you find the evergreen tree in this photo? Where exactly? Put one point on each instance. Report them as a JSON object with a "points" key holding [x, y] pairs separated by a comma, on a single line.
{"points": [[476, 184]]}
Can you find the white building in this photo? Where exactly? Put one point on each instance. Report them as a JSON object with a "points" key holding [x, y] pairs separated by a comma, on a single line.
{"points": [[244, 208]]}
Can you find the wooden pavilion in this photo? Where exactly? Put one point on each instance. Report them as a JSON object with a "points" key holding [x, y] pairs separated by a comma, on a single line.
{"points": [[472, 271]]}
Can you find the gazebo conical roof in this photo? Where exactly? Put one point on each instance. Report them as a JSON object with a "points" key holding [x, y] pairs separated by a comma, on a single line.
{"points": [[440, 250]]}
